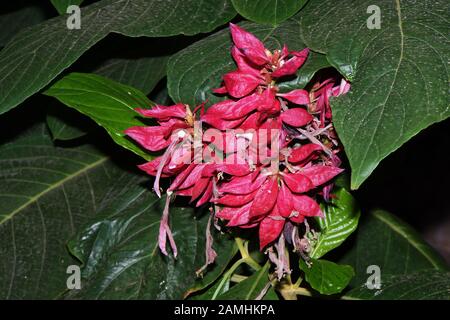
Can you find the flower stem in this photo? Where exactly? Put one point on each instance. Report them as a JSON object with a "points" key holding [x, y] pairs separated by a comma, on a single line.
{"points": [[243, 249]]}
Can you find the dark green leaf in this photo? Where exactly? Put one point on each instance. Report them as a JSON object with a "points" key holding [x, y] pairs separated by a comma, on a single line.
{"points": [[120, 254], [250, 288], [141, 73], [327, 277], [38, 54], [385, 241], [46, 193], [424, 285], [66, 124], [399, 72], [62, 5], [108, 103], [341, 219], [268, 11], [133, 62], [194, 71]]}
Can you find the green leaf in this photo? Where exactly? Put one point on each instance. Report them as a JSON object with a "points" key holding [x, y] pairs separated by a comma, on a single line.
{"points": [[341, 219], [250, 288], [141, 73], [46, 193], [62, 5], [399, 73], [384, 240], [424, 285], [120, 254], [66, 124], [327, 277], [38, 54], [19, 14], [314, 63], [140, 65], [108, 103], [194, 71], [268, 11]]}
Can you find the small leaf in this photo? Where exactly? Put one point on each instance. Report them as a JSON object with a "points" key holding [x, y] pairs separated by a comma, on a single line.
{"points": [[67, 124], [423, 285], [327, 277], [341, 219], [108, 103], [62, 5], [268, 11]]}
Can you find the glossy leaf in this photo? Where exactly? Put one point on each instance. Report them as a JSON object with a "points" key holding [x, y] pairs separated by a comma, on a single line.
{"points": [[46, 193], [194, 71], [341, 219], [385, 241], [120, 254], [25, 63], [327, 277], [423, 285], [399, 71], [268, 11], [108, 103]]}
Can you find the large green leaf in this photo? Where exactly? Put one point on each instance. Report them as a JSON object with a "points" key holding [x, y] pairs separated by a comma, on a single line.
{"points": [[62, 5], [140, 73], [108, 103], [120, 254], [399, 72], [268, 11], [38, 54], [385, 241], [194, 71], [327, 277], [46, 193], [341, 219], [424, 285]]}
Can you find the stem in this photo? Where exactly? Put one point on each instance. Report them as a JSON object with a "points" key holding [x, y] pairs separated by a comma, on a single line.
{"points": [[227, 276], [237, 278], [243, 249]]}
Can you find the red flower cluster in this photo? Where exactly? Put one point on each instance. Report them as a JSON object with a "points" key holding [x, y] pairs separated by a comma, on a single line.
{"points": [[263, 156]]}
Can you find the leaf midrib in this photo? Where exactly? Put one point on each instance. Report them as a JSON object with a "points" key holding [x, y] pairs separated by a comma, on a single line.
{"points": [[413, 243], [52, 187]]}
